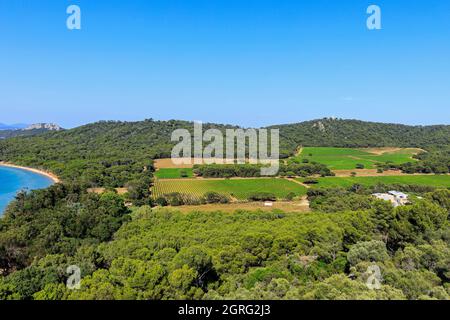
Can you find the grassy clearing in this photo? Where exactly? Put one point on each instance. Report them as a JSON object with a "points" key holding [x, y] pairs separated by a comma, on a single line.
{"points": [[441, 181], [237, 188], [347, 159], [173, 173]]}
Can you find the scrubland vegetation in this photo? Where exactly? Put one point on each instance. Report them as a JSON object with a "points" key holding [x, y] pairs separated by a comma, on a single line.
{"points": [[163, 254]]}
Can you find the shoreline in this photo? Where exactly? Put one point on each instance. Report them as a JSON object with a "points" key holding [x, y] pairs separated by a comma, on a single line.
{"points": [[47, 174]]}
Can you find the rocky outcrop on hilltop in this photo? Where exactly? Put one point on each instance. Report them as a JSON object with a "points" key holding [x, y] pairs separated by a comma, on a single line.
{"points": [[45, 126]]}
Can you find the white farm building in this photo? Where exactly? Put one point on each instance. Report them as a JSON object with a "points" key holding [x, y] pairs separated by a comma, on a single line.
{"points": [[395, 197]]}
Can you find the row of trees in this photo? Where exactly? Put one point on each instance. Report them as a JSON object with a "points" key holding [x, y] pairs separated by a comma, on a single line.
{"points": [[291, 169], [176, 199]]}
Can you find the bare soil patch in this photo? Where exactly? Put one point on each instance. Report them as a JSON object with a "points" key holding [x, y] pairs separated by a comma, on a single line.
{"points": [[189, 163], [167, 163], [102, 190], [294, 206], [367, 173]]}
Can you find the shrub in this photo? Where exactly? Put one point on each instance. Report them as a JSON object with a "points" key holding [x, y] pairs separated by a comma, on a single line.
{"points": [[161, 201], [311, 181], [291, 174], [174, 199], [290, 196], [184, 174], [214, 197], [262, 196]]}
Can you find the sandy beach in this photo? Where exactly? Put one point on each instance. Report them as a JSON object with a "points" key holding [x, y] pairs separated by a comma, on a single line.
{"points": [[50, 175]]}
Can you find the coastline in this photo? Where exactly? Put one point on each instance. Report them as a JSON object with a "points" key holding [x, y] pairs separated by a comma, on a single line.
{"points": [[47, 174]]}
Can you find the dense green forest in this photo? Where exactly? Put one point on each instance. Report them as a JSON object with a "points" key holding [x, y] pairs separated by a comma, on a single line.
{"points": [[331, 132], [162, 254], [56, 220]]}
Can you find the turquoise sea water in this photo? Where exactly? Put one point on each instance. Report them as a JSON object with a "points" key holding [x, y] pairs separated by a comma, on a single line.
{"points": [[13, 180]]}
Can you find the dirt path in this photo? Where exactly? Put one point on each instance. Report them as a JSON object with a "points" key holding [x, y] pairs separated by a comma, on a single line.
{"points": [[305, 198], [298, 182], [357, 158], [300, 206]]}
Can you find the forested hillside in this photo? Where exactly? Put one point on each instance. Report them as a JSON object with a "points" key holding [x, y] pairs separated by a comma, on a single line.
{"points": [[7, 132], [162, 254], [114, 153], [330, 132], [100, 154]]}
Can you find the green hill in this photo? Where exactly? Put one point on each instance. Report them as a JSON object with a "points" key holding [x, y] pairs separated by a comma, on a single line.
{"points": [[107, 153], [330, 132], [112, 153]]}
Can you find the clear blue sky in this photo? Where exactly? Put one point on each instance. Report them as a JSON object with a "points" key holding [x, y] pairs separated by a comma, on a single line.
{"points": [[247, 62]]}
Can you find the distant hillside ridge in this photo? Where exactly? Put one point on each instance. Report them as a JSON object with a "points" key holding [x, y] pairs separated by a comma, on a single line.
{"points": [[27, 130], [105, 153], [333, 132], [47, 126], [111, 153]]}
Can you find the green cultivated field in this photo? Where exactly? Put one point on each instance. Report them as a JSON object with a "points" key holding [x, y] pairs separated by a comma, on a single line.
{"points": [[239, 188], [440, 181], [173, 173], [347, 159]]}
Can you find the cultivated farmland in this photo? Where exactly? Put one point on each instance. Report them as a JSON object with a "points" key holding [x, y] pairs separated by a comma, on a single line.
{"points": [[174, 173], [439, 181], [347, 159], [236, 188]]}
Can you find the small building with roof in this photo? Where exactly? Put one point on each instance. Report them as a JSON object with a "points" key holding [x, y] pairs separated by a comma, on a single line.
{"points": [[397, 198]]}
